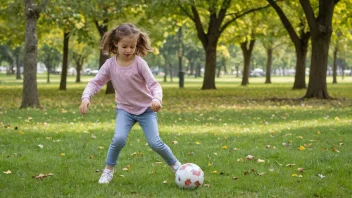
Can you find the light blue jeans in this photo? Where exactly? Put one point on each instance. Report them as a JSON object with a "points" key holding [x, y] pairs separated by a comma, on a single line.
{"points": [[149, 123]]}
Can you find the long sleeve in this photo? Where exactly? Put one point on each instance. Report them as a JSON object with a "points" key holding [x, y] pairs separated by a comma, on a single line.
{"points": [[101, 78]]}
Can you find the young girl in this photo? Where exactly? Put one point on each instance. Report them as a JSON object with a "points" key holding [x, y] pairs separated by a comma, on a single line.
{"points": [[137, 93]]}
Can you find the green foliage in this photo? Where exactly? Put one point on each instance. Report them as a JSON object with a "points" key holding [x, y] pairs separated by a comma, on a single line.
{"points": [[216, 129]]}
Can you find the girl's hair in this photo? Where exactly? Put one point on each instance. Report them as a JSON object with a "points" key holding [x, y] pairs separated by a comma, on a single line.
{"points": [[111, 38]]}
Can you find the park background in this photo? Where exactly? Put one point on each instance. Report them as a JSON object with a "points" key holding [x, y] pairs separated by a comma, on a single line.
{"points": [[268, 79]]}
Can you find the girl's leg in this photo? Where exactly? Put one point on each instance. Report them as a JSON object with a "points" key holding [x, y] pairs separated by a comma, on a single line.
{"points": [[149, 123], [124, 123]]}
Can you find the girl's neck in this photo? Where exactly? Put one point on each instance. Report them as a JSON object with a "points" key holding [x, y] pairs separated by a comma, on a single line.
{"points": [[123, 62]]}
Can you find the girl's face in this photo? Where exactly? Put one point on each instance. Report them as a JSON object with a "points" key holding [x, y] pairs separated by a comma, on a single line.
{"points": [[127, 46]]}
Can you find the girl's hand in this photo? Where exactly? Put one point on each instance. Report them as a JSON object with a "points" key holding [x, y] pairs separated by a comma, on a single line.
{"points": [[84, 106], [156, 106]]}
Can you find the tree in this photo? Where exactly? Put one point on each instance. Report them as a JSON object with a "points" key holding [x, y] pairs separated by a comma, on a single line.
{"points": [[341, 35], [220, 16], [300, 42], [30, 96], [51, 57], [11, 23], [321, 30]]}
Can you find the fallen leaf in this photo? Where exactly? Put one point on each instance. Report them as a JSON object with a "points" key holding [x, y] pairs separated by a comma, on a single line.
{"points": [[42, 176], [165, 182], [7, 172], [21, 132], [91, 156], [127, 168], [101, 147], [250, 157], [197, 142], [318, 133], [300, 169], [335, 150], [321, 176], [62, 154], [234, 178], [301, 148], [224, 147], [260, 161], [174, 142], [214, 171], [40, 146], [206, 185], [290, 165]]}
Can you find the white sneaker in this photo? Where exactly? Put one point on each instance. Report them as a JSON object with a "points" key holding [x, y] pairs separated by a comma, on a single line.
{"points": [[176, 166], [106, 177]]}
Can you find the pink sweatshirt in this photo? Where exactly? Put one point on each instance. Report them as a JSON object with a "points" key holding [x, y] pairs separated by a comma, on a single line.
{"points": [[135, 86]]}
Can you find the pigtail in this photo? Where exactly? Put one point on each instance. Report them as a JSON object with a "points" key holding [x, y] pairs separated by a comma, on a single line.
{"points": [[107, 44], [143, 44]]}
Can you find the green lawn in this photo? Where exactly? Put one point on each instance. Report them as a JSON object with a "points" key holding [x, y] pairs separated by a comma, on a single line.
{"points": [[215, 129]]}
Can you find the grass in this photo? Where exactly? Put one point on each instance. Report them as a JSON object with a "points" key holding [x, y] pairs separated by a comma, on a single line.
{"points": [[216, 129]]}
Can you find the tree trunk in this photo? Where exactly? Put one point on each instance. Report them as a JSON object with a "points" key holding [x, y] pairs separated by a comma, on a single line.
{"points": [[64, 62], [78, 71], [334, 67], [102, 29], [300, 76], [317, 77], [321, 30], [18, 67], [48, 75], [247, 53], [269, 53], [30, 96], [210, 67]]}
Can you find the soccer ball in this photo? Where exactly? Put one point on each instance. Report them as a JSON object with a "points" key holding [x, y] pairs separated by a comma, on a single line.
{"points": [[189, 176]]}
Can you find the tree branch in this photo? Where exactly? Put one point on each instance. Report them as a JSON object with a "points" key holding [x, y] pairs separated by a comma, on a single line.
{"points": [[287, 24], [199, 26], [186, 12], [239, 15], [308, 11]]}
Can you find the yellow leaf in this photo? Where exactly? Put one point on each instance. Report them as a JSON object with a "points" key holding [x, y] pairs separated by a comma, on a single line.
{"points": [[197, 142], [260, 161], [127, 168], [7, 172], [301, 148], [294, 175], [21, 132], [224, 147], [214, 171], [318, 133], [62, 154], [210, 164], [335, 150], [299, 137], [101, 147], [174, 142], [290, 164]]}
